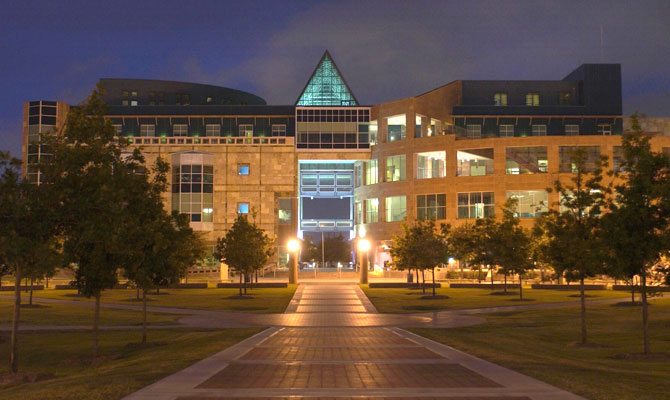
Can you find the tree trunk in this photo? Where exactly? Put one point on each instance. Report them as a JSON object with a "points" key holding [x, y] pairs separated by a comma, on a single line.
{"points": [[47, 279], [416, 273], [583, 312], [645, 312], [158, 289], [137, 293], [246, 278], [30, 302], [479, 275], [433, 270], [505, 284], [520, 288], [240, 284], [14, 348], [493, 287], [632, 294], [96, 322], [423, 281], [144, 316]]}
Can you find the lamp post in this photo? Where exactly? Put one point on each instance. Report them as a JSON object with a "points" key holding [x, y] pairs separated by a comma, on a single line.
{"points": [[293, 248], [363, 247]]}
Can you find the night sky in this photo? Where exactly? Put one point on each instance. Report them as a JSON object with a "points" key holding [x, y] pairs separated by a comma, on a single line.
{"points": [[57, 50]]}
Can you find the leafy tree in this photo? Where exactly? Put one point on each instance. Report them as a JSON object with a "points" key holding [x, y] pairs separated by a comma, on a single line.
{"points": [[483, 235], [512, 245], [245, 247], [28, 242], [573, 246], [337, 249], [309, 252], [161, 246], [92, 181], [637, 227], [464, 246], [422, 246]]}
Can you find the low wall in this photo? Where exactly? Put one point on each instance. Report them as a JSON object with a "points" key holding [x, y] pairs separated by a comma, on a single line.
{"points": [[400, 285], [11, 288], [482, 285], [254, 285], [65, 287], [637, 288], [200, 285], [567, 287]]}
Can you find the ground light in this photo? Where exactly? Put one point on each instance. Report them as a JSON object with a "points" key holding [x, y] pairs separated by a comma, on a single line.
{"points": [[293, 247], [363, 248]]}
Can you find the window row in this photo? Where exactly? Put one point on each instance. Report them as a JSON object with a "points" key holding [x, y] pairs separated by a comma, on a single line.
{"points": [[243, 130], [470, 205], [332, 115], [474, 131], [532, 99]]}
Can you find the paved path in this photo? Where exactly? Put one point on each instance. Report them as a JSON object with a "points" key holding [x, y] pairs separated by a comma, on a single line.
{"points": [[330, 344]]}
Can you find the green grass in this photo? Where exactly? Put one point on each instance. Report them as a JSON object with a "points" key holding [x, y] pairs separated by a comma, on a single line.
{"points": [[409, 301], [266, 300], [120, 369], [67, 314], [541, 344]]}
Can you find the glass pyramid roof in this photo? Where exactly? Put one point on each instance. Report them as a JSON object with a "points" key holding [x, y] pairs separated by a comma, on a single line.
{"points": [[326, 87]]}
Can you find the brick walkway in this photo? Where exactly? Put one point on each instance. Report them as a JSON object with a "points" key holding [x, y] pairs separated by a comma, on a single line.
{"points": [[334, 355]]}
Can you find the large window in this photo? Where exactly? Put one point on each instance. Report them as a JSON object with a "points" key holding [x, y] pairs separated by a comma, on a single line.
{"points": [[564, 98], [500, 99], [278, 130], [396, 208], [371, 172], [373, 132], [417, 126], [246, 130], [567, 155], [474, 162], [179, 130], [395, 168], [571, 130], [435, 127], [396, 128], [476, 205], [617, 158], [532, 99], [193, 185], [530, 203], [285, 211], [431, 165], [147, 130], [358, 213], [506, 130], [526, 160], [431, 206], [371, 211], [213, 130], [243, 208], [539, 130], [473, 131], [604, 129]]}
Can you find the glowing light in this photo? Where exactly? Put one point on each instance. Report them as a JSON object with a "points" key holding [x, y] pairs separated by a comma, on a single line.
{"points": [[293, 245], [451, 260], [362, 231], [363, 245]]}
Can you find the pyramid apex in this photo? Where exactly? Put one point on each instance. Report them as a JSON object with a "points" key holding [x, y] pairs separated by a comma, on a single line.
{"points": [[326, 86]]}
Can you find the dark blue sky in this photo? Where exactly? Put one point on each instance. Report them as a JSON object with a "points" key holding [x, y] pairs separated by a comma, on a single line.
{"points": [[57, 50]]}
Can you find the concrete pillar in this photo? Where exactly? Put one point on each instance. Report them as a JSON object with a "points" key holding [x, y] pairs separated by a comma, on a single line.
{"points": [[293, 268]]}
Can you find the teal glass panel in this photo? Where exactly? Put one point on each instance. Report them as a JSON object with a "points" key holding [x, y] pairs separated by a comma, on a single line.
{"points": [[326, 87]]}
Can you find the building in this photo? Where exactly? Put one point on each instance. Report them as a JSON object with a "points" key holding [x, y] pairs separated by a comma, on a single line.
{"points": [[330, 164]]}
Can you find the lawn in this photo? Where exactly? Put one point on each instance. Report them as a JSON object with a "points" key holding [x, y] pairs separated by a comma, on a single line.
{"points": [[541, 344], [121, 368], [266, 300], [66, 314], [410, 301]]}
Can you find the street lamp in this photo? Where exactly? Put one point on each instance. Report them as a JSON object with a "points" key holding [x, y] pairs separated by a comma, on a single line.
{"points": [[293, 247], [363, 248]]}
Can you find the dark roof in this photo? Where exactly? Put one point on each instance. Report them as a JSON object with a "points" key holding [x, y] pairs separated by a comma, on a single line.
{"points": [[200, 110]]}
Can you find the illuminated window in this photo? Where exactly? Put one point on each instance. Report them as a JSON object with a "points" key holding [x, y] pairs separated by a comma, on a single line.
{"points": [[395, 168], [192, 185], [474, 162], [243, 169], [326, 87], [530, 203], [371, 172], [358, 213], [243, 208], [118, 128], [500, 99], [566, 158], [396, 128], [371, 211], [373, 132], [532, 99], [526, 160], [285, 211], [246, 130], [431, 165], [396, 208]]}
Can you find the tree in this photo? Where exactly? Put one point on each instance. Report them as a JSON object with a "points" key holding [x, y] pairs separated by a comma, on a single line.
{"points": [[464, 247], [421, 246], [309, 251], [483, 235], [245, 247], [512, 245], [337, 249], [28, 242], [92, 180], [573, 246], [161, 246], [637, 227]]}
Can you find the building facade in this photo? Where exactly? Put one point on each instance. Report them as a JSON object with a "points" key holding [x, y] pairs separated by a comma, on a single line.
{"points": [[329, 164]]}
